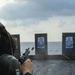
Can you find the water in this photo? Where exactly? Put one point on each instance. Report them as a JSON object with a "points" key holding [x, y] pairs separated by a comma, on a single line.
{"points": [[54, 48]]}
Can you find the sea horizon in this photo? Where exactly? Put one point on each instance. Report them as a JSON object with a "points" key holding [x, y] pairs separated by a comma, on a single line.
{"points": [[54, 48]]}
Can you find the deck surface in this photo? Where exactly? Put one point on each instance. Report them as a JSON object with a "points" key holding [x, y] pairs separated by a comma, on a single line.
{"points": [[54, 67]]}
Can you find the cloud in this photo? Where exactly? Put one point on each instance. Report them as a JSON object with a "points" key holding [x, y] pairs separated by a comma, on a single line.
{"points": [[37, 9], [54, 27], [27, 17], [27, 33]]}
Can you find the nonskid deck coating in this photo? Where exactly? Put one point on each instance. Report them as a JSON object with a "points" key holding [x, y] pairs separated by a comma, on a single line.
{"points": [[54, 67]]}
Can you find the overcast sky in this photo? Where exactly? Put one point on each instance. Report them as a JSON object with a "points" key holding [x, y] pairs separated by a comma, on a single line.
{"points": [[28, 17]]}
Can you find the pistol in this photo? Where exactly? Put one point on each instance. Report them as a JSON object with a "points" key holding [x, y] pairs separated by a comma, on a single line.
{"points": [[25, 55]]}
